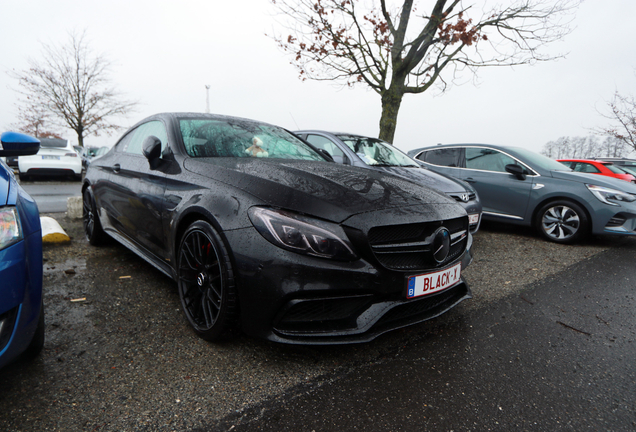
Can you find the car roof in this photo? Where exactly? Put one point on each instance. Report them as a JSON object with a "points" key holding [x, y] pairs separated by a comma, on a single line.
{"points": [[587, 161], [494, 146], [195, 115], [615, 159], [304, 131]]}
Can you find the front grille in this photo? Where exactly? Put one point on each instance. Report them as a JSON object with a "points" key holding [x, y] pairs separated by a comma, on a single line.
{"points": [[459, 197], [323, 314], [410, 247], [424, 308], [616, 221]]}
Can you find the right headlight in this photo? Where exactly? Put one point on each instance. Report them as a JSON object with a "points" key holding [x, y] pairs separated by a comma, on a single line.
{"points": [[610, 196], [10, 230], [302, 234]]}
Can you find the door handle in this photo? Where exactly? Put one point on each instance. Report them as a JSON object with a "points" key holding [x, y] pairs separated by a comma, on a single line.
{"points": [[116, 168], [470, 180]]}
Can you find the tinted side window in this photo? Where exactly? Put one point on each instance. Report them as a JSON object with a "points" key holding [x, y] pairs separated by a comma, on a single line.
{"points": [[121, 145], [325, 144], [450, 157], [138, 136], [487, 159], [586, 168]]}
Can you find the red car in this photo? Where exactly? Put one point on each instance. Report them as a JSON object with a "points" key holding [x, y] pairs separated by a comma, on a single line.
{"points": [[598, 167]]}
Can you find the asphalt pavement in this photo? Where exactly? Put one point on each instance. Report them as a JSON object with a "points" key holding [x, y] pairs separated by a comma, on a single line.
{"points": [[548, 339], [52, 195], [556, 357]]}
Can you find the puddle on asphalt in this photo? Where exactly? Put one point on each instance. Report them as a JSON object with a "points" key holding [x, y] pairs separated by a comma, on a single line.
{"points": [[69, 267], [66, 306]]}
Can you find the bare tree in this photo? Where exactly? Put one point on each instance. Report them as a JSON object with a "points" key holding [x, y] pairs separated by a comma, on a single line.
{"points": [[585, 148], [404, 50], [72, 85], [623, 117], [34, 119]]}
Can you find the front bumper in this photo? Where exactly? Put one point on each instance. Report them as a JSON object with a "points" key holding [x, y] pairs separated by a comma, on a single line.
{"points": [[20, 296], [298, 299], [614, 220]]}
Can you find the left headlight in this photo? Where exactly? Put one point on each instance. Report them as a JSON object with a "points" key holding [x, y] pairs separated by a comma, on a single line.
{"points": [[10, 230], [610, 196], [302, 234]]}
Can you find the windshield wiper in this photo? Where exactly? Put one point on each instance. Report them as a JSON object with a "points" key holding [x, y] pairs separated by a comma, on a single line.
{"points": [[387, 165]]}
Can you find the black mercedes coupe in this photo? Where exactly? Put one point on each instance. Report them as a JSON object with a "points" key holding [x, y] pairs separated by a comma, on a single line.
{"points": [[263, 232]]}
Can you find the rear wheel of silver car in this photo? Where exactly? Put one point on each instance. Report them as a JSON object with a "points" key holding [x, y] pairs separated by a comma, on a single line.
{"points": [[206, 282], [562, 221], [92, 227]]}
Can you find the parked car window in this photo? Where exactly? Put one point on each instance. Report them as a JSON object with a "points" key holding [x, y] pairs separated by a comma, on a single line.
{"points": [[567, 164], [326, 144], [586, 168], [613, 168], [138, 136], [450, 157], [120, 146], [224, 138], [376, 152], [487, 159], [539, 160]]}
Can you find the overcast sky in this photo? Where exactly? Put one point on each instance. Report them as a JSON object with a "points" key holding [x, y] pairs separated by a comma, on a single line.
{"points": [[163, 53]]}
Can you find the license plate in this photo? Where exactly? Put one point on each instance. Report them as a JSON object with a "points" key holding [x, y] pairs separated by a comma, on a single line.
{"points": [[430, 283], [473, 218], [50, 157]]}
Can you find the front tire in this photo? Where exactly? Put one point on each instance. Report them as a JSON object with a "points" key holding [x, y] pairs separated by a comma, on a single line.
{"points": [[562, 222], [92, 227], [206, 282]]}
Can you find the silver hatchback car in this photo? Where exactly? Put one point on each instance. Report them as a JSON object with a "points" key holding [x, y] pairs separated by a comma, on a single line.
{"points": [[521, 187]]}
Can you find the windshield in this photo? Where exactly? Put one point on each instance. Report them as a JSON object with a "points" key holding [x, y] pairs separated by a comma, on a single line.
{"points": [[613, 168], [629, 169], [241, 138], [53, 143], [377, 152], [540, 161]]}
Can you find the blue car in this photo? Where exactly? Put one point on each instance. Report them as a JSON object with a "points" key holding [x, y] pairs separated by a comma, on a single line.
{"points": [[21, 307]]}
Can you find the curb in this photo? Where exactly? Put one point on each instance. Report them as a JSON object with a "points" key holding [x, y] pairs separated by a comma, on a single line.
{"points": [[74, 207], [52, 232]]}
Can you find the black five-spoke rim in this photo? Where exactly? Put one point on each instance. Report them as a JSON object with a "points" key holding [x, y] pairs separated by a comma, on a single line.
{"points": [[200, 280], [560, 222], [89, 216]]}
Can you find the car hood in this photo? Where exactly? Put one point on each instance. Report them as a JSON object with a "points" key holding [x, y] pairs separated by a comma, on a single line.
{"points": [[323, 189], [428, 178], [596, 179]]}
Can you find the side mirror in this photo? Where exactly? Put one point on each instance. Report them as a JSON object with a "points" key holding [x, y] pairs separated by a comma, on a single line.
{"points": [[151, 148], [18, 144], [516, 170]]}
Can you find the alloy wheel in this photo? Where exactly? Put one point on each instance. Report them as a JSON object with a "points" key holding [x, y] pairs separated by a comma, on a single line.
{"points": [[560, 222], [201, 282]]}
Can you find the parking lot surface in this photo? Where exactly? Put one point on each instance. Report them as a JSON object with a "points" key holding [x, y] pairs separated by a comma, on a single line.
{"points": [[557, 357], [120, 354]]}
